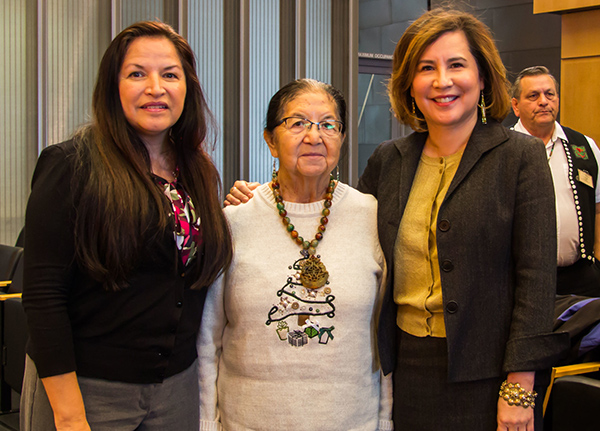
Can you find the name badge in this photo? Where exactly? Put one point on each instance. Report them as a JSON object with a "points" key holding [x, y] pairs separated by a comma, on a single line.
{"points": [[585, 178]]}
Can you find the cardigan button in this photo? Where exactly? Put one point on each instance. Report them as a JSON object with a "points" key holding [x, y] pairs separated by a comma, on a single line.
{"points": [[447, 265], [179, 304], [444, 225], [452, 307]]}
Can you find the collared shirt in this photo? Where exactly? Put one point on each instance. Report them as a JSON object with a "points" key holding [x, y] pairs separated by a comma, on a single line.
{"points": [[566, 215]]}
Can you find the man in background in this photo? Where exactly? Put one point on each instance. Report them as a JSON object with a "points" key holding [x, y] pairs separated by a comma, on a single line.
{"points": [[573, 160]]}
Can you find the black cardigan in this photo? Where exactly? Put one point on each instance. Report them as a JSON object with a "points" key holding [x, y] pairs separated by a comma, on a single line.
{"points": [[141, 334]]}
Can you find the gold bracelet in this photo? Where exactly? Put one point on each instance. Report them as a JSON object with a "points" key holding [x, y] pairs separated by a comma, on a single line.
{"points": [[515, 395]]}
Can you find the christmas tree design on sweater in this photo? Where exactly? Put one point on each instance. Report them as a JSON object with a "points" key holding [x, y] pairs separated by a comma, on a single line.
{"points": [[305, 304]]}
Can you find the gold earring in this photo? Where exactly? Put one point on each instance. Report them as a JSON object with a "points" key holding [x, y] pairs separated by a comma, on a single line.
{"points": [[414, 108], [482, 106]]}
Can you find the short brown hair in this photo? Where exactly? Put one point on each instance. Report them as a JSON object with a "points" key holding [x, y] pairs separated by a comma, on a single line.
{"points": [[425, 31]]}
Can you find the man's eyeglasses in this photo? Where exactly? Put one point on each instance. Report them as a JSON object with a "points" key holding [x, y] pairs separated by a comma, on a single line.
{"points": [[297, 125]]}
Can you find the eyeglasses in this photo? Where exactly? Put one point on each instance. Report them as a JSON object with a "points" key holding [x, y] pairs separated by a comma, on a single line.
{"points": [[297, 125]]}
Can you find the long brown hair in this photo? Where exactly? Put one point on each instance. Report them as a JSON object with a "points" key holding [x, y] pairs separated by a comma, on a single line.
{"points": [[118, 201], [425, 31]]}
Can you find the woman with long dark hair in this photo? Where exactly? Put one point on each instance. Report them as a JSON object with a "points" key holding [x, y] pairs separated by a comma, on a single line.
{"points": [[124, 232]]}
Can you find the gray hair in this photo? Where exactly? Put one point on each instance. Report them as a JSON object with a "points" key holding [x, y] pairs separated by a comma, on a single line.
{"points": [[530, 71]]}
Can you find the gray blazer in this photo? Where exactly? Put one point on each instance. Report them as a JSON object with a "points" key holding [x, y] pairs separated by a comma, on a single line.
{"points": [[496, 240]]}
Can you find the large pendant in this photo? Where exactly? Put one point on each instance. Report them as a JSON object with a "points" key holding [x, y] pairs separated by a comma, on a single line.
{"points": [[313, 273]]}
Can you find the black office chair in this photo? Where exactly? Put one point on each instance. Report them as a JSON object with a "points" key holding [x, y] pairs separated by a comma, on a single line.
{"points": [[13, 337], [9, 258], [21, 238], [575, 404]]}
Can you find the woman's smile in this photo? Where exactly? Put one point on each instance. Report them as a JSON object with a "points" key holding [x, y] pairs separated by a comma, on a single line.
{"points": [[447, 84]]}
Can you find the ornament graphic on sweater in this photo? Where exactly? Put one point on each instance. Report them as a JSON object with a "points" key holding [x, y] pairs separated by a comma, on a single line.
{"points": [[305, 296]]}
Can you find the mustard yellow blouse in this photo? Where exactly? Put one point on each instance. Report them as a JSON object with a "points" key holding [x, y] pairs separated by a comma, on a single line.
{"points": [[417, 283]]}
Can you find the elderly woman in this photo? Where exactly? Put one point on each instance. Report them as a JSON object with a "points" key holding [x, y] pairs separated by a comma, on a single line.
{"points": [[467, 224], [288, 337], [124, 234]]}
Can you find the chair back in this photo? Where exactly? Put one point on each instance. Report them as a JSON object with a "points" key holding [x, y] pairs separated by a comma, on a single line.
{"points": [[9, 258], [575, 404], [16, 286]]}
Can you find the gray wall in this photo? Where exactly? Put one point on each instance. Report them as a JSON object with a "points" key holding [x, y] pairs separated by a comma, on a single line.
{"points": [[382, 22], [523, 39]]}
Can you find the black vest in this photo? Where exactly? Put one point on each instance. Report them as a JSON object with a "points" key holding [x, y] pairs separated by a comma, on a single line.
{"points": [[581, 160]]}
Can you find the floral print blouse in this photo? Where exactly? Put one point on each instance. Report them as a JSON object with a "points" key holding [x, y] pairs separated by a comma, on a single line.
{"points": [[186, 231]]}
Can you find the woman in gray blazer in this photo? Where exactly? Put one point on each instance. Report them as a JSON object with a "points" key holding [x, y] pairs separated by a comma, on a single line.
{"points": [[467, 223]]}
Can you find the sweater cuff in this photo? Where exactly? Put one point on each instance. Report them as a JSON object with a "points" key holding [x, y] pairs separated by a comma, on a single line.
{"points": [[385, 425], [210, 426]]}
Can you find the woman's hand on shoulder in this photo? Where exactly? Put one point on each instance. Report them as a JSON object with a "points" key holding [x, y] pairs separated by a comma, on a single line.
{"points": [[241, 192]]}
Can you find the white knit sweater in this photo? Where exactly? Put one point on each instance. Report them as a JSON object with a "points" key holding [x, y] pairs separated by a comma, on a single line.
{"points": [[251, 376]]}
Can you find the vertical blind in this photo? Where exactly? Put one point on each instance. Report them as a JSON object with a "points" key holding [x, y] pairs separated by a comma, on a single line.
{"points": [[15, 128], [205, 34], [318, 40], [50, 52], [264, 82]]}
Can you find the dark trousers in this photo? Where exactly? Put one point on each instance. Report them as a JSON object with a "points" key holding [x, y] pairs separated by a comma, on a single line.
{"points": [[582, 278]]}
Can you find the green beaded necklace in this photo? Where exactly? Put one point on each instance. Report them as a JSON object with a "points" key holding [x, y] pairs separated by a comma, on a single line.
{"points": [[313, 274], [309, 248]]}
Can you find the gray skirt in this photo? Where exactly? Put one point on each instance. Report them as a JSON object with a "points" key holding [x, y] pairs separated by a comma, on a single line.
{"points": [[425, 400]]}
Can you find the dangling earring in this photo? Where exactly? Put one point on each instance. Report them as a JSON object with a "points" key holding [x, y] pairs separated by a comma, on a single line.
{"points": [[482, 106], [274, 167], [414, 108], [337, 173]]}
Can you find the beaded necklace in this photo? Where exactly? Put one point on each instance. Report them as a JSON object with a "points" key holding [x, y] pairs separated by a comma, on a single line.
{"points": [[306, 293], [313, 273], [551, 151]]}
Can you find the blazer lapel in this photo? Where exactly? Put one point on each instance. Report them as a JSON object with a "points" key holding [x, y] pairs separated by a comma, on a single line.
{"points": [[484, 138], [410, 152], [399, 179]]}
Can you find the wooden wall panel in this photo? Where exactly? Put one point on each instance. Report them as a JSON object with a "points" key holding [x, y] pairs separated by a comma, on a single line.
{"points": [[580, 104], [581, 34], [544, 6]]}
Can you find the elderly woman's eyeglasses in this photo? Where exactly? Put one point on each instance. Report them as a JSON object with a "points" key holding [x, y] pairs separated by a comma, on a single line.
{"points": [[297, 125]]}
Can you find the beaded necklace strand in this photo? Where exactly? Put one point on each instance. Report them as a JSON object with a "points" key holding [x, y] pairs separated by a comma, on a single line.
{"points": [[551, 151], [309, 248], [311, 273]]}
